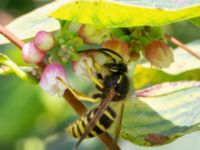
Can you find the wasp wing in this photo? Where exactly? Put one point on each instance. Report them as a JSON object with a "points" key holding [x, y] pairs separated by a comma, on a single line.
{"points": [[97, 115], [118, 126]]}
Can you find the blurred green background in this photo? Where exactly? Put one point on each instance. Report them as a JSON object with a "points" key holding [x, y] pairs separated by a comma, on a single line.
{"points": [[32, 120]]}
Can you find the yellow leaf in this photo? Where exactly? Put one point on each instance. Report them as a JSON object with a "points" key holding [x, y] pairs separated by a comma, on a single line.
{"points": [[112, 13]]}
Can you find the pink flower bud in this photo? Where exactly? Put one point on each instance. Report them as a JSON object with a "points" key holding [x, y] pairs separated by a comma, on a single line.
{"points": [[31, 54], [159, 54], [49, 81], [44, 41]]}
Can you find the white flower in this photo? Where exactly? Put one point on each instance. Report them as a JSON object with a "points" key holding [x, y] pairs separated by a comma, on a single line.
{"points": [[79, 67], [92, 61], [49, 81]]}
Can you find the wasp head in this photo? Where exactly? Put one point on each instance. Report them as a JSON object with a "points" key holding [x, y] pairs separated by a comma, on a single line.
{"points": [[116, 67]]}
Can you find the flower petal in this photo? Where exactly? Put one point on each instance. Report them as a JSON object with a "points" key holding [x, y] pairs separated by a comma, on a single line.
{"points": [[49, 81]]}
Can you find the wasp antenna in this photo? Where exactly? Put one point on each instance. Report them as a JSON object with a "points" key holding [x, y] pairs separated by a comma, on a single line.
{"points": [[111, 51], [104, 51], [98, 50]]}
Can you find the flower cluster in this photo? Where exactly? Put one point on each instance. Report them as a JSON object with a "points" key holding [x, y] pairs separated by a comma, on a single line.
{"points": [[129, 43], [54, 76]]}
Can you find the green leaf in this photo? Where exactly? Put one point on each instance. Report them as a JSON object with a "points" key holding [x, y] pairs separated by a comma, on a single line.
{"points": [[14, 68], [185, 67], [162, 113], [121, 14], [20, 104], [127, 13], [144, 76], [196, 21]]}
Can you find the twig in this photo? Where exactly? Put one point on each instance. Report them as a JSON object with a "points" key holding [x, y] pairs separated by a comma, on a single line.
{"points": [[11, 37], [181, 45], [68, 96], [15, 40]]}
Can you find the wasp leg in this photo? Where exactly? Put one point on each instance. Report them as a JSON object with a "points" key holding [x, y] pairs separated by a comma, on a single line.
{"points": [[96, 81], [79, 96], [98, 88], [82, 97], [98, 95], [99, 76]]}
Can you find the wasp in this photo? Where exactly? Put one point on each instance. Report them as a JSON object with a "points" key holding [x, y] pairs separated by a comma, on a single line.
{"points": [[113, 87]]}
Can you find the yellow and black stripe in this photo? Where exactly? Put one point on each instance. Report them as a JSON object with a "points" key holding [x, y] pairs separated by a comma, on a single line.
{"points": [[77, 129]]}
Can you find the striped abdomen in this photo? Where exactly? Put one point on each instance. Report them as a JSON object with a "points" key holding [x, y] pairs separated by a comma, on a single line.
{"points": [[77, 129]]}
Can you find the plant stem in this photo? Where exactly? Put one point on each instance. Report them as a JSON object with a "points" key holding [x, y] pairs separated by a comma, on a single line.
{"points": [[181, 45], [11, 37], [15, 40], [68, 96]]}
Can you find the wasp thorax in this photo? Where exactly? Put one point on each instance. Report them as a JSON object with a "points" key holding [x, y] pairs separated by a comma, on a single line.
{"points": [[116, 67]]}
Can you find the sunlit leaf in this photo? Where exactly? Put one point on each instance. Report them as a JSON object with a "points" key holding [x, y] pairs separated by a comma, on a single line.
{"points": [[185, 67], [126, 13], [162, 113], [144, 76], [121, 14], [196, 21]]}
